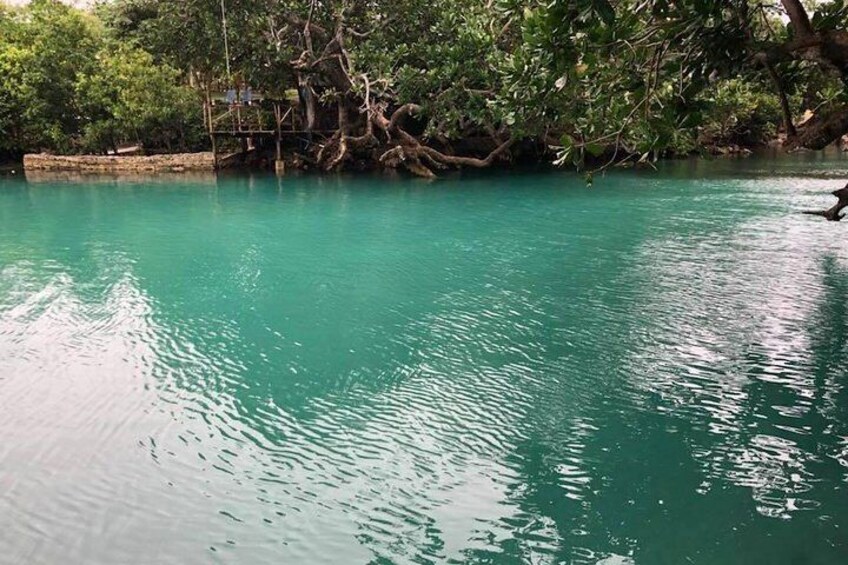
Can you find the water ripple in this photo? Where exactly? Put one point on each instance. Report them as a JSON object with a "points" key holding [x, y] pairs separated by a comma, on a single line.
{"points": [[248, 372]]}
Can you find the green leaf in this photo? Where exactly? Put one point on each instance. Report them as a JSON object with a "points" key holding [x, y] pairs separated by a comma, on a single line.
{"points": [[595, 149]]}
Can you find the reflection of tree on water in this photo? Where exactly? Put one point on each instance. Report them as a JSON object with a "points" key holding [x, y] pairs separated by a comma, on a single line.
{"points": [[401, 439], [734, 389], [829, 344], [829, 334], [747, 361], [795, 417], [38, 177]]}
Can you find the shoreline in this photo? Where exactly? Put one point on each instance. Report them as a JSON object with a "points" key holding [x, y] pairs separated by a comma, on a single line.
{"points": [[203, 162]]}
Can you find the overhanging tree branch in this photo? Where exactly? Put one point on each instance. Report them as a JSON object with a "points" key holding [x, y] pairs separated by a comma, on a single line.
{"points": [[833, 213], [798, 16]]}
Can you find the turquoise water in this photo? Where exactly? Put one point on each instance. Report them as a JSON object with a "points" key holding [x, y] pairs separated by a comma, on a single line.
{"points": [[506, 368]]}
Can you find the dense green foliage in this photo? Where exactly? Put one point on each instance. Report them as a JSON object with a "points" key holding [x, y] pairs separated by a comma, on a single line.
{"points": [[125, 96], [65, 85], [419, 82]]}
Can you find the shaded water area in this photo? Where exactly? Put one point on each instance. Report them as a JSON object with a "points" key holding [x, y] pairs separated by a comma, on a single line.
{"points": [[491, 369]]}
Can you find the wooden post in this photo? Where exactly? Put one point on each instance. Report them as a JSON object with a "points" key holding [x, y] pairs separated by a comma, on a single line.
{"points": [[279, 164], [214, 150], [210, 128]]}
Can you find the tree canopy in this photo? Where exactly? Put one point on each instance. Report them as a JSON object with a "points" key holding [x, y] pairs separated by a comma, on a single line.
{"points": [[67, 86], [429, 84]]}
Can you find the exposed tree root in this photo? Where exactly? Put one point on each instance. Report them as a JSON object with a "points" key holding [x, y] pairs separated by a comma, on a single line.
{"points": [[418, 158], [329, 68]]}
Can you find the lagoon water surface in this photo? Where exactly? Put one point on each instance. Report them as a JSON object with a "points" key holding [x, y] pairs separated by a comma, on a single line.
{"points": [[490, 369]]}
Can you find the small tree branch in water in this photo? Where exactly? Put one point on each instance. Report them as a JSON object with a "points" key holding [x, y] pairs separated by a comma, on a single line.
{"points": [[832, 214]]}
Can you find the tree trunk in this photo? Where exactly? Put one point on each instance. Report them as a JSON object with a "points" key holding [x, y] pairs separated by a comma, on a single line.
{"points": [[307, 100], [788, 125], [823, 131], [798, 16], [828, 49]]}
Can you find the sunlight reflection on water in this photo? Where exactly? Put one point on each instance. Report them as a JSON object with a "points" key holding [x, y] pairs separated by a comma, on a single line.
{"points": [[246, 370]]}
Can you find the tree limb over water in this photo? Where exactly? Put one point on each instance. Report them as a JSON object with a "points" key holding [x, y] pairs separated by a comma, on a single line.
{"points": [[833, 213]]}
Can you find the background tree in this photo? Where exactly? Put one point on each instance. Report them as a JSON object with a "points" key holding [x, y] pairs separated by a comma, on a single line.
{"points": [[65, 86], [649, 69], [125, 96], [42, 49]]}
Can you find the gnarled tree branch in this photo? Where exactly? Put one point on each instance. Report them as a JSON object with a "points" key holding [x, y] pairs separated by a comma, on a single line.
{"points": [[833, 213], [822, 131]]}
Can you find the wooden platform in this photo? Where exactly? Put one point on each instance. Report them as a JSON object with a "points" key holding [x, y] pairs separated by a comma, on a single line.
{"points": [[260, 118]]}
